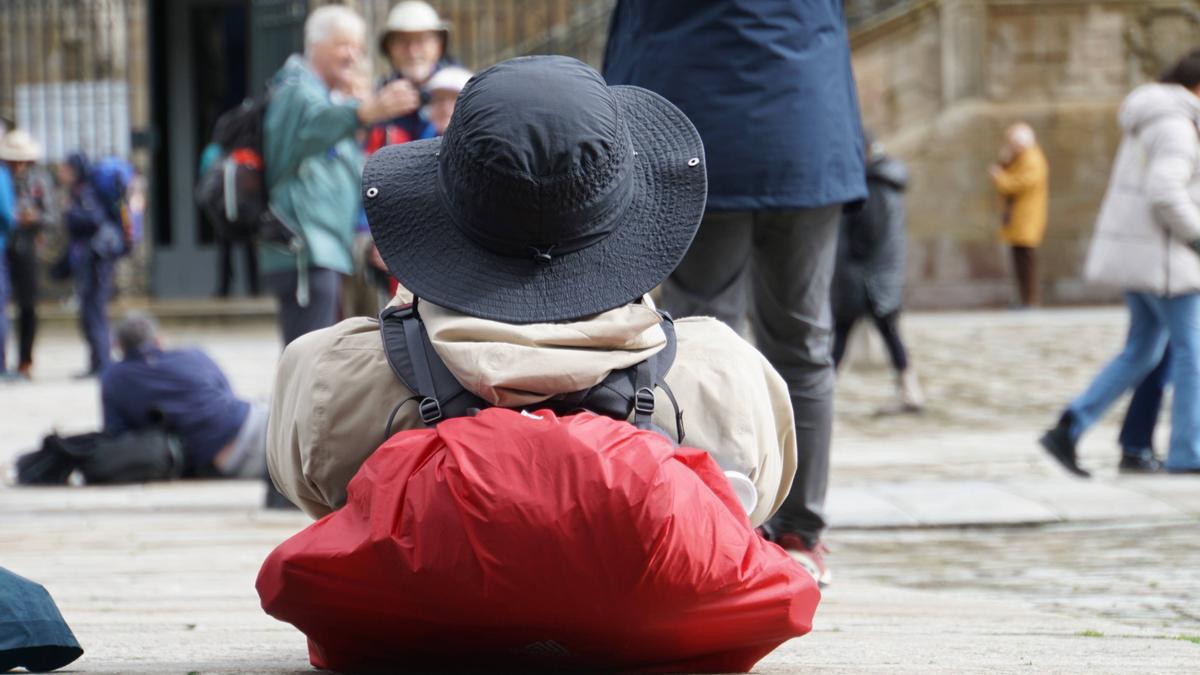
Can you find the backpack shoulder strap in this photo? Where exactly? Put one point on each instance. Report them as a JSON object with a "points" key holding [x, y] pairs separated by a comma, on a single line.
{"points": [[413, 360], [630, 391], [651, 374]]}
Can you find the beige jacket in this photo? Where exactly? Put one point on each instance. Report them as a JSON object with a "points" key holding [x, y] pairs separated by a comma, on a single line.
{"points": [[334, 391]]}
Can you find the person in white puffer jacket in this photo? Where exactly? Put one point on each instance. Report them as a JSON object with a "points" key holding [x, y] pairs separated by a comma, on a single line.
{"points": [[1147, 242]]}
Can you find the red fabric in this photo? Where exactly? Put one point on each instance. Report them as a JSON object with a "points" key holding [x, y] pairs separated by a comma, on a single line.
{"points": [[506, 541], [383, 135], [247, 157]]}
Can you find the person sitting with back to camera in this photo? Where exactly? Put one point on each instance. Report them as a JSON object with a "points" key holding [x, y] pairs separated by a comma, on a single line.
{"points": [[530, 236]]}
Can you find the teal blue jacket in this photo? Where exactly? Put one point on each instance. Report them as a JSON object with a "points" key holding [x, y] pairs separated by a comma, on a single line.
{"points": [[314, 169]]}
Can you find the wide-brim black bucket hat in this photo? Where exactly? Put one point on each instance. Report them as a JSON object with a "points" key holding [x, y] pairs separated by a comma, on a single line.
{"points": [[552, 196]]}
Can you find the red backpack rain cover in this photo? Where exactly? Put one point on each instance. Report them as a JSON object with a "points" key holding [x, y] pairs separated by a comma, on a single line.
{"points": [[558, 542]]}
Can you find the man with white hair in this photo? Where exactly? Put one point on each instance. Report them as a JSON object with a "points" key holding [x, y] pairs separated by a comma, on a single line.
{"points": [[313, 166], [1022, 179]]}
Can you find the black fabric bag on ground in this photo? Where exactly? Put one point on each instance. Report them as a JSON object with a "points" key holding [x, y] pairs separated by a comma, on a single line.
{"points": [[33, 634], [151, 454]]}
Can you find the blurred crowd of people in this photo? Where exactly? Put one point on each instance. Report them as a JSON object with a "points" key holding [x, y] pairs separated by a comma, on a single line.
{"points": [[323, 120], [95, 207]]}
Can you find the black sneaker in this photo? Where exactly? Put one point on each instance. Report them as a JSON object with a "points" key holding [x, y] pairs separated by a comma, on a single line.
{"points": [[1058, 443], [1140, 461]]}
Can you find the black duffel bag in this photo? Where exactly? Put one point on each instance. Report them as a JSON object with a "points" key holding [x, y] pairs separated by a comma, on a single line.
{"points": [[152, 454]]}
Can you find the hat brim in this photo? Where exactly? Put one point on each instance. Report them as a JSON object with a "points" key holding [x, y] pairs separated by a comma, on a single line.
{"points": [[443, 28], [433, 258], [20, 155]]}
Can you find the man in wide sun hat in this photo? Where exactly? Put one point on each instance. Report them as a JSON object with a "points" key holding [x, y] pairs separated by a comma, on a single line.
{"points": [[530, 235]]}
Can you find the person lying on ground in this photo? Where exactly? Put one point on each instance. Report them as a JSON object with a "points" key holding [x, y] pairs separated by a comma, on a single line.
{"points": [[221, 434]]}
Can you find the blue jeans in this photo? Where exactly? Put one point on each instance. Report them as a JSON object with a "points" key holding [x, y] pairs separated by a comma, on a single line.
{"points": [[1153, 321], [1137, 432]]}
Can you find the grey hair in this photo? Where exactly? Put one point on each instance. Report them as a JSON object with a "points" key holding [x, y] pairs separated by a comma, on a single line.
{"points": [[326, 20], [135, 331], [1022, 134]]}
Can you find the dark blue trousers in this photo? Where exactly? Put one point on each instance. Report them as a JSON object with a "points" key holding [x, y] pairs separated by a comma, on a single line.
{"points": [[1137, 432], [94, 287]]}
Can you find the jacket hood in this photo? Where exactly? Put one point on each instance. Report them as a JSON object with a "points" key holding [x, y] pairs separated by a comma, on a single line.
{"points": [[888, 170], [1153, 101], [295, 67], [515, 365], [81, 165]]}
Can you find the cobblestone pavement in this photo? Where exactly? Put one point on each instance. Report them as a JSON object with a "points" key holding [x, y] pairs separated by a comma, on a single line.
{"points": [[159, 578], [984, 374]]}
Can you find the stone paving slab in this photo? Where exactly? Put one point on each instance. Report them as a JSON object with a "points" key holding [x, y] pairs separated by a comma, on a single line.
{"points": [[964, 503], [1094, 500], [206, 496], [1181, 492], [862, 507], [864, 627]]}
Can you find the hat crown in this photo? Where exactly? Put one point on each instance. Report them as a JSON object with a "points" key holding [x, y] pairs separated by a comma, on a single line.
{"points": [[536, 157], [413, 16], [18, 146]]}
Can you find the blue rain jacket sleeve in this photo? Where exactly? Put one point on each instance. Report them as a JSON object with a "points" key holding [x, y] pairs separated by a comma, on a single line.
{"points": [[8, 205], [768, 85]]}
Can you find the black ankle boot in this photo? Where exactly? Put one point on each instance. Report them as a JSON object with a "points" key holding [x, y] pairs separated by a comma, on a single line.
{"points": [[1141, 460], [1061, 446]]}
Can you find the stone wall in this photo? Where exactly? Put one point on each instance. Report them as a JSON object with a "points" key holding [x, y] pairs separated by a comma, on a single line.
{"points": [[941, 80]]}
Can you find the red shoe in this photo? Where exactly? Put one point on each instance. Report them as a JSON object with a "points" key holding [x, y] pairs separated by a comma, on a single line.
{"points": [[811, 558]]}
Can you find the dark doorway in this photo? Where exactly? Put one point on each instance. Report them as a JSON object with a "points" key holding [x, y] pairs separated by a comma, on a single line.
{"points": [[208, 56], [219, 69]]}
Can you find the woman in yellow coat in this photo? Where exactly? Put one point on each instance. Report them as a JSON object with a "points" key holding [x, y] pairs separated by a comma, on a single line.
{"points": [[1023, 182]]}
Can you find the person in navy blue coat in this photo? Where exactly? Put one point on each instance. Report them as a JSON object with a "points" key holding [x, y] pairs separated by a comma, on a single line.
{"points": [[95, 244], [768, 85]]}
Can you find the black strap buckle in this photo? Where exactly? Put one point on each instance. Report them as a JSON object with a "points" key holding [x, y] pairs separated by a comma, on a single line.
{"points": [[398, 312], [643, 401], [430, 409]]}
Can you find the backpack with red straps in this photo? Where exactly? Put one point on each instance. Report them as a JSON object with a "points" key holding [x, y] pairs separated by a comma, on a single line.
{"points": [[526, 539], [233, 191]]}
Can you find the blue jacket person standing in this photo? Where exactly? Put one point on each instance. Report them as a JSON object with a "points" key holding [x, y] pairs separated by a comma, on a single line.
{"points": [[8, 219], [95, 244], [769, 87]]}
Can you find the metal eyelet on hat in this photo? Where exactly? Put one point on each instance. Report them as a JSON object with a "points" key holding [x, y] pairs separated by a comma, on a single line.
{"points": [[693, 161], [372, 192]]}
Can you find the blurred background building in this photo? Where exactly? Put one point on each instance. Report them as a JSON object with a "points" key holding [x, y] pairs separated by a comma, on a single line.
{"points": [[938, 80], [148, 78]]}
